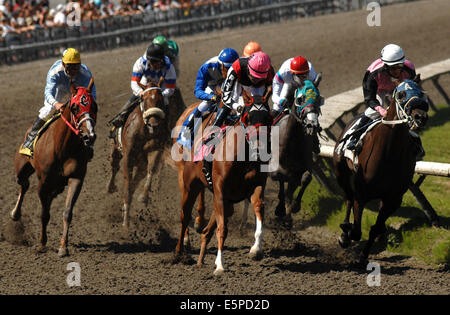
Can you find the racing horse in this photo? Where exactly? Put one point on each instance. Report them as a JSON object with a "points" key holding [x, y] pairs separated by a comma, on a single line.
{"points": [[60, 159], [236, 174], [140, 143], [385, 165], [298, 130]]}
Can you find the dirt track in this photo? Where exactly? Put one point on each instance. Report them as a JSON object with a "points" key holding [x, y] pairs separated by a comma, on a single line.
{"points": [[305, 261]]}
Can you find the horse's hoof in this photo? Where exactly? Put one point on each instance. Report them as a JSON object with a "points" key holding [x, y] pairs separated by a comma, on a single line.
{"points": [[63, 252], [256, 254], [199, 226], [296, 207], [111, 189], [187, 244], [344, 241], [280, 211], [42, 249], [219, 272], [143, 198], [15, 216]]}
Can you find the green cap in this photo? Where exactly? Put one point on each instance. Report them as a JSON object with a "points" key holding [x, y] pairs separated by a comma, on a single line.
{"points": [[161, 41], [173, 47]]}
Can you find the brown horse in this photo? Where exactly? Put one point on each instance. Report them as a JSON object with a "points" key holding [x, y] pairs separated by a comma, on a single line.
{"points": [[141, 143], [60, 159], [236, 176], [386, 164]]}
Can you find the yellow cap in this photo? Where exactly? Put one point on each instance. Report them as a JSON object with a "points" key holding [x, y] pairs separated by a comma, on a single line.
{"points": [[71, 55]]}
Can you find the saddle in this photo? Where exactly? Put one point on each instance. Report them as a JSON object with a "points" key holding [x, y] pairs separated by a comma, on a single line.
{"points": [[44, 128], [352, 155]]}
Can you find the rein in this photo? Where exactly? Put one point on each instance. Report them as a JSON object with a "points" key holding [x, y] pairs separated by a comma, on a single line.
{"points": [[400, 113]]}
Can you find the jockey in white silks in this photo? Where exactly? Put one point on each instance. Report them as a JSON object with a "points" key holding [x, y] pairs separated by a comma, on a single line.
{"points": [[150, 67], [61, 74], [291, 75]]}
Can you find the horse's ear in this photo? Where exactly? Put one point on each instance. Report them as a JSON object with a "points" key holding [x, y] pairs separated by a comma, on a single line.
{"points": [[417, 79], [91, 85], [161, 80], [246, 96], [267, 95], [318, 79]]}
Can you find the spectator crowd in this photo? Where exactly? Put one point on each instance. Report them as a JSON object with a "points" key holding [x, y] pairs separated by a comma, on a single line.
{"points": [[21, 16]]}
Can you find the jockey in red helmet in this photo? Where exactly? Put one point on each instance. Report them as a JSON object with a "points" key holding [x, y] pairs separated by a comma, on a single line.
{"points": [[291, 75]]}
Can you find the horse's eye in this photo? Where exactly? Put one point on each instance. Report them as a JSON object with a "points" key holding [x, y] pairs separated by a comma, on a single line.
{"points": [[401, 95]]}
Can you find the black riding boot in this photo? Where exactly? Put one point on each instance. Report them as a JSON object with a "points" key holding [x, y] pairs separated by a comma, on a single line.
{"points": [[359, 130], [27, 147], [120, 118], [222, 113]]}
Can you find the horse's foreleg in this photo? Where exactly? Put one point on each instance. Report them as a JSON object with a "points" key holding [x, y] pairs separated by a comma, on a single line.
{"points": [[73, 192], [127, 193], [46, 200], [152, 163], [207, 234], [387, 208], [358, 208], [244, 217], [187, 203], [116, 156], [222, 230], [23, 180], [257, 200], [280, 210], [296, 205], [200, 220]]}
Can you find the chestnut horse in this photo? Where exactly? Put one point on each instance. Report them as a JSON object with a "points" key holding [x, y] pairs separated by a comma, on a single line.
{"points": [[143, 139], [60, 159], [386, 164], [236, 173]]}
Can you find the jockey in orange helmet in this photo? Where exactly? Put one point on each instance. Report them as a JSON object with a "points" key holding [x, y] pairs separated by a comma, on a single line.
{"points": [[251, 48]]}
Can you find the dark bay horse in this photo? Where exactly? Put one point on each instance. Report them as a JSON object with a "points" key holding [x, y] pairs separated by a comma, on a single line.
{"points": [[297, 132], [237, 175], [385, 166], [141, 144], [60, 159]]}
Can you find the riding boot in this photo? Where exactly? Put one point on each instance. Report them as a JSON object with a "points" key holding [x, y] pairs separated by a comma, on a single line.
{"points": [[359, 130], [119, 120], [27, 147], [222, 113], [189, 129]]}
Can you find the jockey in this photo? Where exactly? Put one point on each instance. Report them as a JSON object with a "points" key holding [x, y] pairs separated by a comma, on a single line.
{"points": [[291, 75], [61, 74], [210, 76], [170, 50], [253, 74], [173, 54], [150, 67], [380, 80], [251, 48]]}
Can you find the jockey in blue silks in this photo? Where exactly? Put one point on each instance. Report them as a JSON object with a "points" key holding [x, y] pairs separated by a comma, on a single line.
{"points": [[210, 75]]}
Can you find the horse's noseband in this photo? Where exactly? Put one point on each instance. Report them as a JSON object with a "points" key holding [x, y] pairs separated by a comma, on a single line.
{"points": [[151, 112]]}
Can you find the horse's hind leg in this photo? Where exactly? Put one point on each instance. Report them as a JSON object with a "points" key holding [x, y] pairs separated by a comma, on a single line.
{"points": [[387, 208], [74, 190], [280, 210], [346, 226], [115, 156], [24, 171]]}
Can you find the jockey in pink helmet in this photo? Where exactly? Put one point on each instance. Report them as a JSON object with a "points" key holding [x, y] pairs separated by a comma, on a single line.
{"points": [[253, 74], [380, 80]]}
